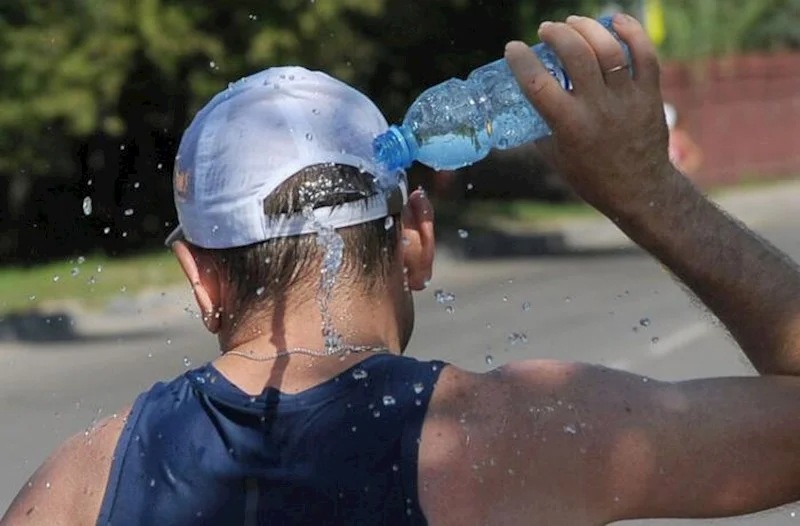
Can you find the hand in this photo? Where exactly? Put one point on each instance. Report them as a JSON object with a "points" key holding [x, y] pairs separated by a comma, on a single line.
{"points": [[610, 137]]}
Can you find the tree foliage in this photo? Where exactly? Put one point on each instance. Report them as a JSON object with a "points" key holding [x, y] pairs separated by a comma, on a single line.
{"points": [[96, 93]]}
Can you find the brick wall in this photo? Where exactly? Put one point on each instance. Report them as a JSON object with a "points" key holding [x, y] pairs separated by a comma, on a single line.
{"points": [[744, 113]]}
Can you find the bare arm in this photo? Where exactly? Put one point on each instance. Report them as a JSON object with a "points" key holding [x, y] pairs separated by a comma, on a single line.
{"points": [[610, 143], [750, 285], [586, 446], [68, 488]]}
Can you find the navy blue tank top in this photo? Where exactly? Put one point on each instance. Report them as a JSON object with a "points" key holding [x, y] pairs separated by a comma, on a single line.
{"points": [[200, 451]]}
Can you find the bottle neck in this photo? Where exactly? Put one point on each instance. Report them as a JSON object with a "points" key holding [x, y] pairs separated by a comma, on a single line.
{"points": [[396, 149]]}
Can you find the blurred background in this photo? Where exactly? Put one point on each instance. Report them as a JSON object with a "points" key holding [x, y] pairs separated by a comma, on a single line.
{"points": [[94, 96]]}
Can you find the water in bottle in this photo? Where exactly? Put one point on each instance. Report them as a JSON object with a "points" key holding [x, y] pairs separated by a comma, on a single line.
{"points": [[458, 122]]}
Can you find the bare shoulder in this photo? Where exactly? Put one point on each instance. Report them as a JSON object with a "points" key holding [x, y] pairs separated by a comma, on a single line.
{"points": [[454, 452], [507, 445], [68, 488]]}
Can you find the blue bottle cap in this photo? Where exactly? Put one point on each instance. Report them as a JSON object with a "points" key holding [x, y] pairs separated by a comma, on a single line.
{"points": [[392, 149]]}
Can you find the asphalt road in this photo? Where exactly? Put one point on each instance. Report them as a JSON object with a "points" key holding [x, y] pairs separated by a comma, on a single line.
{"points": [[620, 310]]}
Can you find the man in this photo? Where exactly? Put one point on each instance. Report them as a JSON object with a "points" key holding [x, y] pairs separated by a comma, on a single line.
{"points": [[683, 151], [274, 432]]}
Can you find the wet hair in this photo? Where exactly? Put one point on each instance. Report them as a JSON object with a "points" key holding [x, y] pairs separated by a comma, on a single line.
{"points": [[263, 273]]}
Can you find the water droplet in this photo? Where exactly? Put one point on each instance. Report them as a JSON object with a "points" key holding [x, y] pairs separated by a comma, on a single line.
{"points": [[526, 306], [463, 234], [160, 166], [395, 467], [74, 272], [123, 289], [252, 17], [212, 65], [128, 212], [315, 111], [260, 291], [87, 206], [47, 485], [81, 260], [570, 429], [418, 387], [152, 483], [360, 374], [137, 184], [186, 361], [655, 340], [449, 309], [91, 281], [470, 186], [644, 322], [169, 341], [56, 278], [517, 338], [99, 268], [106, 230], [443, 296], [568, 299], [309, 137], [388, 400], [489, 359], [389, 223], [376, 413], [505, 299]]}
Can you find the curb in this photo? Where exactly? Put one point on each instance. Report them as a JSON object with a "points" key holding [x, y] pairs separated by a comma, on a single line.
{"points": [[755, 207], [458, 259]]}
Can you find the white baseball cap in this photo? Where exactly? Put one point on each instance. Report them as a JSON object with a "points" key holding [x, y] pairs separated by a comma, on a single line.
{"points": [[258, 133]]}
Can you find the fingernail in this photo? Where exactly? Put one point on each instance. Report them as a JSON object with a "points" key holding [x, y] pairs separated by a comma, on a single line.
{"points": [[514, 43], [574, 18], [622, 18], [545, 24]]}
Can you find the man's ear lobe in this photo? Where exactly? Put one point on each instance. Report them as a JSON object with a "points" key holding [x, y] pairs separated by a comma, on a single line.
{"points": [[204, 280]]}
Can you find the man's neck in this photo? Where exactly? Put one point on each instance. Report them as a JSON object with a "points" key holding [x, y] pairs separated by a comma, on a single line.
{"points": [[283, 349]]}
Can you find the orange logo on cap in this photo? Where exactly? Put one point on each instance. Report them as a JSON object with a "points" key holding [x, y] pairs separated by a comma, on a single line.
{"points": [[181, 182]]}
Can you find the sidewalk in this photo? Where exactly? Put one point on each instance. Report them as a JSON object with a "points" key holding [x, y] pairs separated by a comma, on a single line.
{"points": [[458, 261], [757, 207]]}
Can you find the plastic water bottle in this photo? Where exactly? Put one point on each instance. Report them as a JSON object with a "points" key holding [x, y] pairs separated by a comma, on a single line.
{"points": [[458, 122]]}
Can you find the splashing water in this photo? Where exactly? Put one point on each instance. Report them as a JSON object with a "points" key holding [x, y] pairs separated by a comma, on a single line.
{"points": [[333, 245], [443, 297]]}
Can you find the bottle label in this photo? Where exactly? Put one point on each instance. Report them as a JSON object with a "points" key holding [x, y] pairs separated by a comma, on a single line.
{"points": [[561, 76]]}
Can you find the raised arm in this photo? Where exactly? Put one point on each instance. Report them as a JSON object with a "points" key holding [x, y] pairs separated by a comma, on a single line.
{"points": [[610, 143]]}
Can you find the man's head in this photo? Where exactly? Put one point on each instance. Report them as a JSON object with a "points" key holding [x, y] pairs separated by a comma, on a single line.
{"points": [[260, 170]]}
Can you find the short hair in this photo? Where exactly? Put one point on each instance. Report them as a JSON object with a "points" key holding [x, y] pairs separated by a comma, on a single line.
{"points": [[262, 273]]}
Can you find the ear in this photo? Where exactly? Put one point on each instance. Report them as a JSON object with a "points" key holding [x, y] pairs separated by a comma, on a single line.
{"points": [[418, 244], [204, 278]]}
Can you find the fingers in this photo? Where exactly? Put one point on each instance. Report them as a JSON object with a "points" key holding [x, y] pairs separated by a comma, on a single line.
{"points": [[609, 52], [575, 54], [540, 88], [646, 69]]}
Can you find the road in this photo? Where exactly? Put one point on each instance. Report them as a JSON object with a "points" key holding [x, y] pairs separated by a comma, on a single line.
{"points": [[621, 310]]}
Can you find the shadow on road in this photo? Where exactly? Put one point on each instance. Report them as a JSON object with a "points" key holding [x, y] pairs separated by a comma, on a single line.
{"points": [[58, 327], [489, 244]]}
